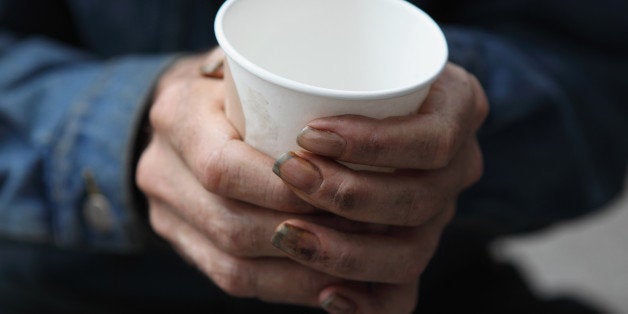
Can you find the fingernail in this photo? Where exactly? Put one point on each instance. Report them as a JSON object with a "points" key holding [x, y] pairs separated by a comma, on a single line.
{"points": [[298, 172], [336, 304], [324, 143], [211, 69], [296, 242]]}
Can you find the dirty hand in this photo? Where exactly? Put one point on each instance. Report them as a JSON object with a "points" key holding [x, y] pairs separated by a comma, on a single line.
{"points": [[216, 200], [436, 154]]}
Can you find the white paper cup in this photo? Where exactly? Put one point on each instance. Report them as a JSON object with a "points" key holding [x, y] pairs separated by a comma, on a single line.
{"points": [[292, 61]]}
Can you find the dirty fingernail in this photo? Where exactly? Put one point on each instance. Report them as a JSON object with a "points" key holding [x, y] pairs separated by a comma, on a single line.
{"points": [[298, 172], [335, 304], [296, 242], [322, 142], [212, 69]]}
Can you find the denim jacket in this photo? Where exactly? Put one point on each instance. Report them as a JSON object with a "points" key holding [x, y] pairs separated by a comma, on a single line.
{"points": [[76, 76]]}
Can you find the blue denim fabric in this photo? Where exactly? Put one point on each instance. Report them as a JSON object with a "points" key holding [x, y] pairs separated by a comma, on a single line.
{"points": [[73, 83], [75, 76], [61, 113], [552, 143]]}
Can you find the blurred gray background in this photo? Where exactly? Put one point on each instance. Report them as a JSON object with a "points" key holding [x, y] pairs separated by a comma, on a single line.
{"points": [[586, 258]]}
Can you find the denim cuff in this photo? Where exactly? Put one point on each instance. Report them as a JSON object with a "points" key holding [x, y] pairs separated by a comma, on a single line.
{"points": [[90, 167]]}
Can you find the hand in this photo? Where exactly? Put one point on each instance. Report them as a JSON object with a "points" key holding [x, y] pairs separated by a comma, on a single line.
{"points": [[216, 200], [436, 154], [207, 196]]}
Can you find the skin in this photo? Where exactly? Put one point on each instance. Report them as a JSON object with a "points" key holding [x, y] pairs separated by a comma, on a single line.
{"points": [[351, 241]]}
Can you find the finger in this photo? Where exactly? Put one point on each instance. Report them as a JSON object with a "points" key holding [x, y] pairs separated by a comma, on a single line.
{"points": [[214, 64], [191, 118], [270, 279], [239, 228], [398, 257], [236, 227], [367, 299], [454, 110], [403, 198]]}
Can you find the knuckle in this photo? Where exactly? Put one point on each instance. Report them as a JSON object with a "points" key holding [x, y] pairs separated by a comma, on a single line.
{"points": [[219, 173], [479, 99], [235, 280], [476, 173], [424, 206], [406, 204], [482, 104], [347, 264], [157, 222], [372, 144], [213, 171], [477, 166], [345, 196], [157, 116], [445, 147], [161, 112], [482, 110], [236, 240], [370, 147], [145, 174]]}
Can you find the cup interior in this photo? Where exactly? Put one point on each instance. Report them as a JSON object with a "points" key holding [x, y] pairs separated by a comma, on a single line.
{"points": [[362, 46]]}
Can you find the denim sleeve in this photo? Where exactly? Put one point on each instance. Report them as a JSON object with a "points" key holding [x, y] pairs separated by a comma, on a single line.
{"points": [[554, 144], [63, 114]]}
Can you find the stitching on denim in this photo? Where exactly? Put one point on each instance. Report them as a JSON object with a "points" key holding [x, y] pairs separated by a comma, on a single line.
{"points": [[60, 162]]}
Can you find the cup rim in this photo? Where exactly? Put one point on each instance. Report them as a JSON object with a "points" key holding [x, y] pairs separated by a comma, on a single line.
{"points": [[262, 73]]}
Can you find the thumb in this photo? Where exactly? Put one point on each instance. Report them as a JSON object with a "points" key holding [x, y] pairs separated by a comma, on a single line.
{"points": [[213, 64]]}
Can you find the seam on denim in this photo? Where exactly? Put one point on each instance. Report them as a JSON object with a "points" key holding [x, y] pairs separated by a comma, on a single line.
{"points": [[62, 165]]}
